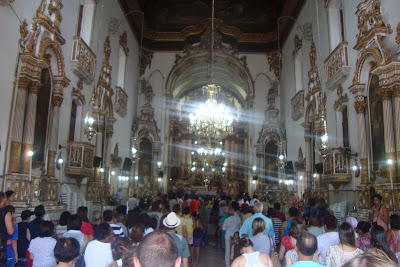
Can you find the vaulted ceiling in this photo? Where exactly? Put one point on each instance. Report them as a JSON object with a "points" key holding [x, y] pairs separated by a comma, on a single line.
{"points": [[252, 26]]}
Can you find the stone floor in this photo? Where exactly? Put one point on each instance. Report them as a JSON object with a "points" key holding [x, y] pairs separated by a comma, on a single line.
{"points": [[211, 256]]}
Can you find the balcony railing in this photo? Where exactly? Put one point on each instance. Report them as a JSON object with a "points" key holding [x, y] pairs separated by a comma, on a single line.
{"points": [[80, 160], [336, 168], [297, 105], [83, 60], [337, 67]]}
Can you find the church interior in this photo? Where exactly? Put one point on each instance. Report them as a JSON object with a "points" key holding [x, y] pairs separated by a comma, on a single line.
{"points": [[142, 97]]}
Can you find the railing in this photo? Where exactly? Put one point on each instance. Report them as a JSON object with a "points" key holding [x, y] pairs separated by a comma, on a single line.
{"points": [[80, 160], [337, 67], [83, 60], [297, 105], [336, 168]]}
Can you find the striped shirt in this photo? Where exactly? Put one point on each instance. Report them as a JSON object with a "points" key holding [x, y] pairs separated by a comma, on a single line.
{"points": [[277, 223], [118, 231]]}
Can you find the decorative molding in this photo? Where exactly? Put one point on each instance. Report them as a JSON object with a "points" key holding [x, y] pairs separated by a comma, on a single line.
{"points": [[77, 92], [275, 63], [23, 30], [123, 42], [398, 35], [83, 60], [360, 106], [298, 44], [314, 84], [121, 101], [146, 56], [5, 2], [297, 103], [341, 98]]}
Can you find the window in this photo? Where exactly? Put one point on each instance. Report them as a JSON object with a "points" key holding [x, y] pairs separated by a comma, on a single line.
{"points": [[85, 20], [121, 67], [336, 23], [298, 71], [72, 122], [345, 127]]}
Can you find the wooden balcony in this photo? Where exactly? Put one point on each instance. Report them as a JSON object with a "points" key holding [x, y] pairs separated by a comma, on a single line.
{"points": [[336, 169], [337, 67], [80, 160], [83, 60]]}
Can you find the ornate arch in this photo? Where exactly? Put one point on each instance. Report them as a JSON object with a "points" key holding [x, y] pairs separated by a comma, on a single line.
{"points": [[49, 43], [365, 54]]}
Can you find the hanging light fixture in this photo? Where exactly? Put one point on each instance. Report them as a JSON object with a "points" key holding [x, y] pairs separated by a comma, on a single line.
{"points": [[90, 123], [211, 120]]}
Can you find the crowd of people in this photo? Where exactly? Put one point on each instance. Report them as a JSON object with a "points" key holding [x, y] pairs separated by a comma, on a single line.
{"points": [[169, 230]]}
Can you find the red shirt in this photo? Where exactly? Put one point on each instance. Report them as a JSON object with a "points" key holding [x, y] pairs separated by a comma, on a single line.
{"points": [[280, 215], [87, 228], [286, 243], [194, 206]]}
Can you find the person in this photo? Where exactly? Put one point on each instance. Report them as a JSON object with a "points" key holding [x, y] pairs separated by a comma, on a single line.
{"points": [[118, 248], [379, 245], [132, 202], [306, 247], [157, 250], [249, 256], [330, 238], [366, 260], [197, 233], [277, 224], [61, 228], [293, 212], [127, 258], [204, 217], [137, 233], [286, 244], [194, 204], [310, 209], [23, 239], [254, 200], [66, 251], [314, 227], [338, 255], [363, 240], [98, 252], [109, 218], [235, 250], [86, 228], [352, 221], [171, 222], [34, 226], [10, 194], [245, 211], [96, 219], [12, 254], [74, 227], [247, 225], [379, 215], [393, 234], [277, 213], [188, 223], [323, 210], [230, 226], [6, 223], [120, 219], [41, 248], [291, 256], [155, 212]]}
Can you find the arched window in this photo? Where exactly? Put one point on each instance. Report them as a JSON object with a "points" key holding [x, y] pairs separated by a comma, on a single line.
{"points": [[86, 13]]}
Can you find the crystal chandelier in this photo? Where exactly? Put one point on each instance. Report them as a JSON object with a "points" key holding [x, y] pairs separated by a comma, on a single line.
{"points": [[211, 120]]}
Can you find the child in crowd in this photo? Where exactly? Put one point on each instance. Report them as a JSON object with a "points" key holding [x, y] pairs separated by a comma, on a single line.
{"points": [[23, 238]]}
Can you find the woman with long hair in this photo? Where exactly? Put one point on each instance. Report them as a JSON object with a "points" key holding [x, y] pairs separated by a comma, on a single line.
{"points": [[251, 257], [86, 228], [340, 254], [379, 214], [393, 234], [379, 244]]}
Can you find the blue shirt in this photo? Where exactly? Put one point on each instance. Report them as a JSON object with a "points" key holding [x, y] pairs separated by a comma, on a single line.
{"points": [[14, 236], [247, 226]]}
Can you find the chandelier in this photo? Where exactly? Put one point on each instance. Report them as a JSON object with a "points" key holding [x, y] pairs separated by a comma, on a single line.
{"points": [[211, 120]]}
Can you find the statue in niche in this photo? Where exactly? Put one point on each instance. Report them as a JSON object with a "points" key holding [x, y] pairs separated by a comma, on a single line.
{"points": [[271, 96], [148, 94]]}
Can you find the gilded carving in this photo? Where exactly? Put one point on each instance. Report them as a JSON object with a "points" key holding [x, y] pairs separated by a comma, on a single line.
{"points": [[386, 94], [57, 100], [341, 98], [23, 83], [23, 30], [396, 91], [297, 105], [123, 42], [146, 56], [77, 92], [360, 106], [298, 44], [35, 86], [314, 84], [275, 63], [398, 34], [107, 50]]}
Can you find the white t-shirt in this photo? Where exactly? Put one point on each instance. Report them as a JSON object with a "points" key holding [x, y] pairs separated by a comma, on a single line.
{"points": [[42, 249], [98, 254]]}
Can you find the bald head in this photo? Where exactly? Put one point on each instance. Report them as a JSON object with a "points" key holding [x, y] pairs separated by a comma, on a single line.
{"points": [[307, 244]]}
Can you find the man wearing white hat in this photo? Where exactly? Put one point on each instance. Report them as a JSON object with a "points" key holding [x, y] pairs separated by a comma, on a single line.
{"points": [[171, 222]]}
